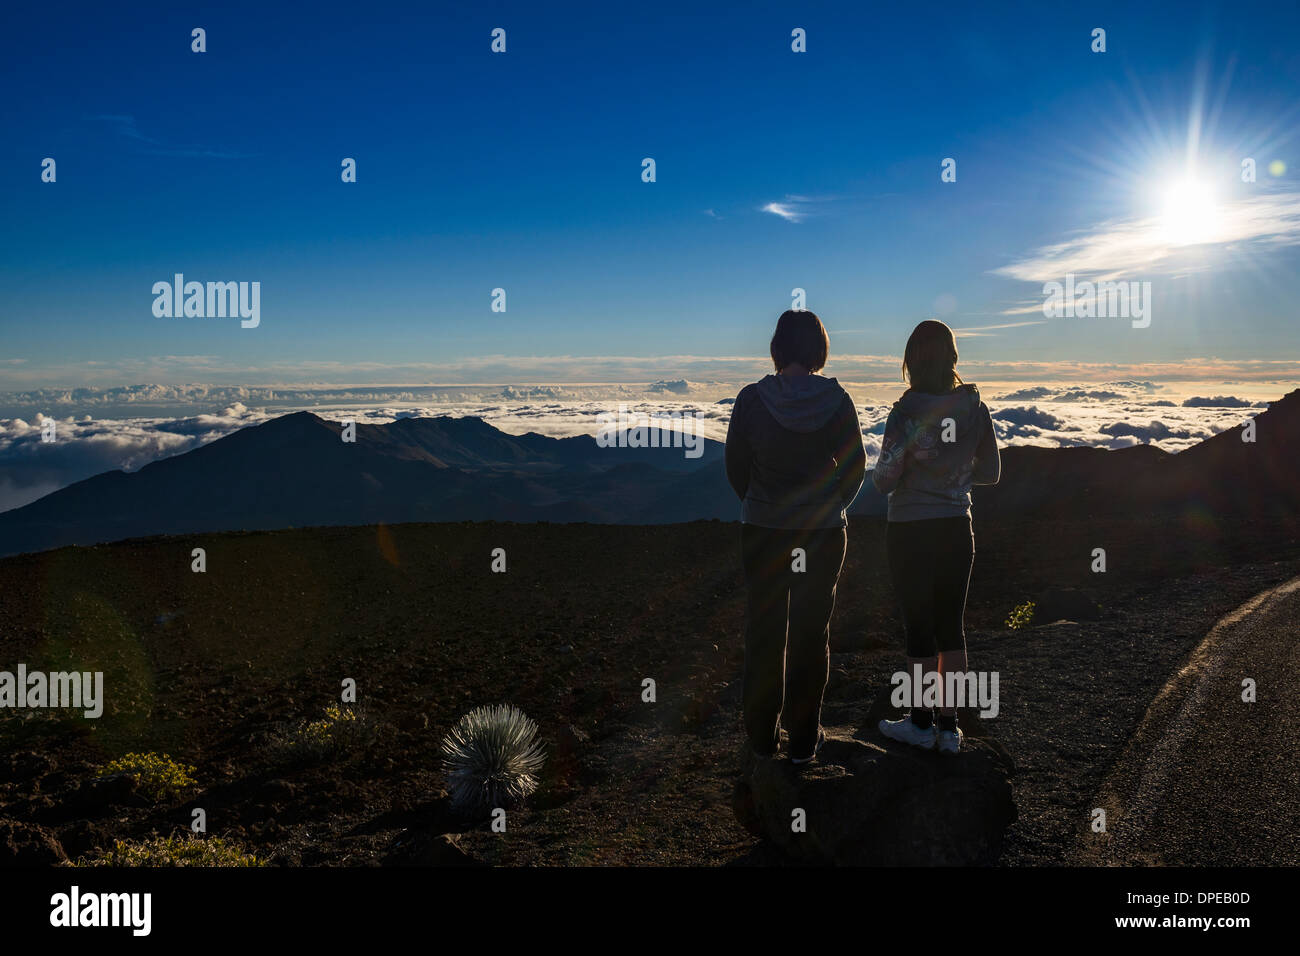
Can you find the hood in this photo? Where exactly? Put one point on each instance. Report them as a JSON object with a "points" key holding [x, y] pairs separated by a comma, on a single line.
{"points": [[800, 403], [924, 415], [961, 404]]}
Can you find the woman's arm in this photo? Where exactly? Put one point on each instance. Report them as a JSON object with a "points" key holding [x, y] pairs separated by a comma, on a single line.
{"points": [[850, 455], [739, 454], [893, 447], [988, 461]]}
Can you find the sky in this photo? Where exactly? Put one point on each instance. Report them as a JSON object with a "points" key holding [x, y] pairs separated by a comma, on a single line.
{"points": [[522, 170]]}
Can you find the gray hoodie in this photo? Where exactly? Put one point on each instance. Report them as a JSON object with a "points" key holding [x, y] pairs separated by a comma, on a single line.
{"points": [[794, 452], [801, 403], [934, 449]]}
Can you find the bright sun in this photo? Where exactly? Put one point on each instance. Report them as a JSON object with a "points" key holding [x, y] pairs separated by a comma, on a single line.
{"points": [[1190, 213]]}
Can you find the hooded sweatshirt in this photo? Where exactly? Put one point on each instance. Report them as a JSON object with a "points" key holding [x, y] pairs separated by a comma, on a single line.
{"points": [[794, 452], [935, 447]]}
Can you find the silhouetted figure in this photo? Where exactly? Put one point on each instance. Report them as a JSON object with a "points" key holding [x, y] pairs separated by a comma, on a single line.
{"points": [[938, 442], [795, 459]]}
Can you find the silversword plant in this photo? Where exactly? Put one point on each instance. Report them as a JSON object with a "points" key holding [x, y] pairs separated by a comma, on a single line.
{"points": [[492, 757]]}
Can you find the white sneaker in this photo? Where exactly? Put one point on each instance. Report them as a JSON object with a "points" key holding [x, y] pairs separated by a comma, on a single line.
{"points": [[907, 732], [949, 741]]}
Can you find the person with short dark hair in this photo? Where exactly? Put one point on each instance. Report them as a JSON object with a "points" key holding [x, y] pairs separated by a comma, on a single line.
{"points": [[938, 442], [795, 459]]}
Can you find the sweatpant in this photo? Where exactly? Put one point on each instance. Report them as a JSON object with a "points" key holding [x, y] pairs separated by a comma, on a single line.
{"points": [[787, 632], [930, 563]]}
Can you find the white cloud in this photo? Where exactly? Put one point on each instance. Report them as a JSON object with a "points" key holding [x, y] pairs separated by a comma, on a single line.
{"points": [[99, 382], [980, 331], [84, 447], [794, 208], [1115, 414], [785, 210], [1126, 248]]}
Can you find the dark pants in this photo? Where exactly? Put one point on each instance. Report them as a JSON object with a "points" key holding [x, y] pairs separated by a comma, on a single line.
{"points": [[930, 563], [787, 632]]}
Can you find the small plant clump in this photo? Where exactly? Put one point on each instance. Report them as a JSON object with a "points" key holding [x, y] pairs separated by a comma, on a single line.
{"points": [[492, 758], [160, 777], [1022, 616], [339, 731], [175, 850]]}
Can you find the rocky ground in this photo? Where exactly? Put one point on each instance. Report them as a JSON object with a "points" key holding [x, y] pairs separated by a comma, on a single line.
{"points": [[1210, 776], [209, 667]]}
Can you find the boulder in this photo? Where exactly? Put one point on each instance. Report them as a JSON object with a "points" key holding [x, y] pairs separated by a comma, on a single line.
{"points": [[1065, 604], [869, 801]]}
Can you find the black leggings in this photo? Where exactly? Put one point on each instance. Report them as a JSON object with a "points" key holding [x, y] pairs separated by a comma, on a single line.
{"points": [[787, 632], [930, 562]]}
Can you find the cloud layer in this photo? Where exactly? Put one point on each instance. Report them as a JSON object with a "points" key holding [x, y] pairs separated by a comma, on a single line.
{"points": [[126, 428]]}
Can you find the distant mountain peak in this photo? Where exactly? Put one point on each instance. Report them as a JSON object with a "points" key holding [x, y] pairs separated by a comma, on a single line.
{"points": [[293, 471]]}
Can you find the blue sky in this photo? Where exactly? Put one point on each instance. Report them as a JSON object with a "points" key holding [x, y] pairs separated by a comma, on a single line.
{"points": [[523, 171]]}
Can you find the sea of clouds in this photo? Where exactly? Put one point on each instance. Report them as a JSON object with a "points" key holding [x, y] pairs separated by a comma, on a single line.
{"points": [[105, 429]]}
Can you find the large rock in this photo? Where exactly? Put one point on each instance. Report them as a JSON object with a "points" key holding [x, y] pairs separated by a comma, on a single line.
{"points": [[868, 801]]}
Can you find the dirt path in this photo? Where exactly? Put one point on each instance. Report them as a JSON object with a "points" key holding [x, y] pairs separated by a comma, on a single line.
{"points": [[1209, 779]]}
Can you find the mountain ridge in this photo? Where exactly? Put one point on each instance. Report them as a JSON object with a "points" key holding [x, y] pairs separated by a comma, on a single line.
{"points": [[295, 471]]}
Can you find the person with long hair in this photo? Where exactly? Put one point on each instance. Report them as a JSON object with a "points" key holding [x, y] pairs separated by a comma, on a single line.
{"points": [[795, 459], [938, 442]]}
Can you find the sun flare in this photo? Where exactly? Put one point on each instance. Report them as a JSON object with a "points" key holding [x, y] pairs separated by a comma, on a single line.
{"points": [[1190, 213]]}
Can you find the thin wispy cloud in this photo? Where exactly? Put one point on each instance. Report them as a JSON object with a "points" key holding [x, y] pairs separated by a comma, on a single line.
{"points": [[1024, 308], [126, 128], [979, 331], [786, 210], [1125, 248], [795, 208]]}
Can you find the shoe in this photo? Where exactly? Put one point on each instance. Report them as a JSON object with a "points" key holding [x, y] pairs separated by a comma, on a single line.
{"points": [[904, 731], [821, 739], [949, 741]]}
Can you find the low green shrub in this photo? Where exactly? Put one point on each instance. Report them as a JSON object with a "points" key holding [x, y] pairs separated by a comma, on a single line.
{"points": [[175, 850], [340, 731], [160, 776], [1022, 616]]}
